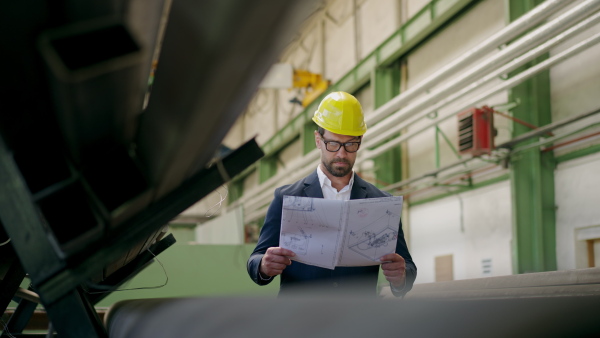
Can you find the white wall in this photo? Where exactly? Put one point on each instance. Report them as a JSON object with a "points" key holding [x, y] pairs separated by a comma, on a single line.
{"points": [[289, 153], [485, 233], [212, 205], [226, 229], [377, 20], [259, 119], [577, 190], [414, 6], [340, 46]]}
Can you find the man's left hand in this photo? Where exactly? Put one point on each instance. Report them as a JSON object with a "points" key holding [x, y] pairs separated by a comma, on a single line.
{"points": [[394, 269]]}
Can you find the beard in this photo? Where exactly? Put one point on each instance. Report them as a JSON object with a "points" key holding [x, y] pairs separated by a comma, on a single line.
{"points": [[338, 171]]}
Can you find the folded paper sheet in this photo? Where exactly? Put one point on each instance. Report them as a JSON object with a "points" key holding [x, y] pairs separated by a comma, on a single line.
{"points": [[330, 233]]}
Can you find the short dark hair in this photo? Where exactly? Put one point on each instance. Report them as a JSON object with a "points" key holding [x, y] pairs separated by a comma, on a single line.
{"points": [[321, 131]]}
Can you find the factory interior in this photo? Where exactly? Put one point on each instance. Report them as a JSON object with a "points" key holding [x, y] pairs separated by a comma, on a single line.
{"points": [[141, 142]]}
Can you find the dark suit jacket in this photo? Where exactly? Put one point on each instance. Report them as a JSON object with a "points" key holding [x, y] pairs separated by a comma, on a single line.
{"points": [[355, 280]]}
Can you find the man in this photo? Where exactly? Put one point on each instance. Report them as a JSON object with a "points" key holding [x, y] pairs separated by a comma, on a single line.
{"points": [[341, 127]]}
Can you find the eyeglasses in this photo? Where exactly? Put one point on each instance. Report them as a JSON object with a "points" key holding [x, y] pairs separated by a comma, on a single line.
{"points": [[333, 146]]}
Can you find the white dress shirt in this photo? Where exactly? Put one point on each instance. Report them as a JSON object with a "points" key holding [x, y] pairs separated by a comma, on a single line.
{"points": [[331, 193]]}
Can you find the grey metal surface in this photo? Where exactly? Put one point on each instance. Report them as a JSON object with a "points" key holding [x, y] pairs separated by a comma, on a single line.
{"points": [[215, 53], [568, 283], [354, 317]]}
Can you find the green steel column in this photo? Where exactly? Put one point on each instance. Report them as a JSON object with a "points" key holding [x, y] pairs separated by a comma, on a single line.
{"points": [[308, 137], [532, 172], [386, 85], [267, 167], [437, 147]]}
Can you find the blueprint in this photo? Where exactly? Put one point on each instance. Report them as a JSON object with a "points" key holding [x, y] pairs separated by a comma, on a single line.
{"points": [[330, 233]]}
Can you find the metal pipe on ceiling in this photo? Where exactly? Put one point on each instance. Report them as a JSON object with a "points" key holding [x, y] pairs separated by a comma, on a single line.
{"points": [[514, 29], [543, 130], [507, 145], [519, 78], [299, 168], [258, 212], [415, 108], [560, 145], [450, 94], [470, 173]]}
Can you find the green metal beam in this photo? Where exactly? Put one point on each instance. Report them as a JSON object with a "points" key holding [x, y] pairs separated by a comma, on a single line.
{"points": [[578, 153], [532, 172], [386, 85], [267, 168], [308, 138], [235, 190], [448, 142], [437, 147], [460, 190]]}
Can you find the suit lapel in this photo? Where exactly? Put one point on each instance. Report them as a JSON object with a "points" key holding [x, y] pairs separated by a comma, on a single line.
{"points": [[359, 189], [312, 187]]}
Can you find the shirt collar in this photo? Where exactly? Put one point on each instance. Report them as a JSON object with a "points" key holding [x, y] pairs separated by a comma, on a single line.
{"points": [[325, 181]]}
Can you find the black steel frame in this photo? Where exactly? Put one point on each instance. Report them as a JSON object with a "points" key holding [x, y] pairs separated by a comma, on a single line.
{"points": [[57, 280]]}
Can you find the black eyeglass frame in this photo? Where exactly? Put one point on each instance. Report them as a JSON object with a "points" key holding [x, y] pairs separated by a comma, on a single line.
{"points": [[340, 144]]}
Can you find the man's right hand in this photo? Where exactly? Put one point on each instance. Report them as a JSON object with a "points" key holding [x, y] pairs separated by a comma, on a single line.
{"points": [[275, 260]]}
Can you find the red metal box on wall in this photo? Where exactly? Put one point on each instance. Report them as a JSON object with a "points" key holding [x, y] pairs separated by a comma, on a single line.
{"points": [[476, 131]]}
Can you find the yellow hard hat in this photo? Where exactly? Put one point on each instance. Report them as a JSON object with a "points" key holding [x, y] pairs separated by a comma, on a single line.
{"points": [[341, 113]]}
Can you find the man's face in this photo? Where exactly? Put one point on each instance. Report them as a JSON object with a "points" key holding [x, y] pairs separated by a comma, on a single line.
{"points": [[340, 162]]}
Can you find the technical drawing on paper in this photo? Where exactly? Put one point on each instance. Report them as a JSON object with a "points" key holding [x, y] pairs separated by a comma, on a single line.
{"points": [[312, 229], [302, 210], [298, 203], [318, 230], [297, 243], [371, 241]]}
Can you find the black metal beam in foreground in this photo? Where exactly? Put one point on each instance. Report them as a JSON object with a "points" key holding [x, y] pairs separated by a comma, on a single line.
{"points": [[19, 319], [38, 257], [143, 224], [20, 219], [10, 282], [129, 270]]}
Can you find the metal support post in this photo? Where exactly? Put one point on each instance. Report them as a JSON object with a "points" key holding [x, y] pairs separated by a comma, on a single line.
{"points": [[532, 174]]}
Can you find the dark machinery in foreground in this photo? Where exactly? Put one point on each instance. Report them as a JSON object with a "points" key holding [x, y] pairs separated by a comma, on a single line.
{"points": [[112, 113]]}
